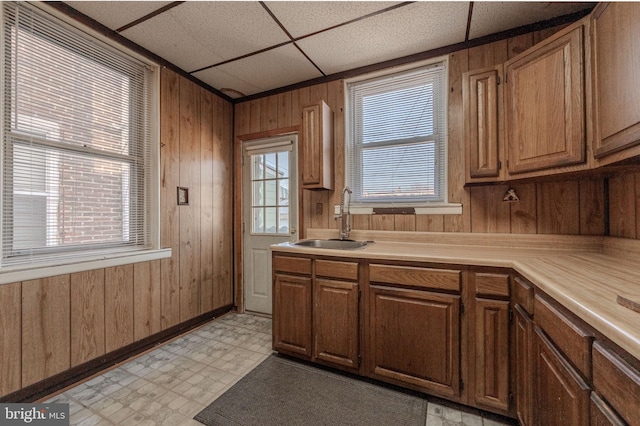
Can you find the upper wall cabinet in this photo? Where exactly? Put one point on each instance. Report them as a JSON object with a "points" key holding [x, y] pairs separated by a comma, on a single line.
{"points": [[545, 104], [527, 117], [616, 67], [317, 146], [482, 103]]}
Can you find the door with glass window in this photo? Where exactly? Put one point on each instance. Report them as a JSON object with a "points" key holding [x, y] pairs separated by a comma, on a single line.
{"points": [[270, 213]]}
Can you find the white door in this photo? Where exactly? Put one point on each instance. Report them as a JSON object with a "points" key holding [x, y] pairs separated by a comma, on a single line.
{"points": [[270, 212]]}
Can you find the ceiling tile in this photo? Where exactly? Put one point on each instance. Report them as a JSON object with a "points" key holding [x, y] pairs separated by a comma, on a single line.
{"points": [[197, 34], [275, 68], [112, 14], [493, 17], [404, 31], [307, 17]]}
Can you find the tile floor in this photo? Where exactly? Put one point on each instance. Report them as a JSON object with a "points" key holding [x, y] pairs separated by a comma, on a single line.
{"points": [[172, 383]]}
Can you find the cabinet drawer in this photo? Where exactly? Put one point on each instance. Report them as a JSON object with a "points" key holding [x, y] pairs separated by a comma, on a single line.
{"points": [[569, 337], [297, 265], [617, 382], [523, 294], [488, 284], [443, 279], [336, 269]]}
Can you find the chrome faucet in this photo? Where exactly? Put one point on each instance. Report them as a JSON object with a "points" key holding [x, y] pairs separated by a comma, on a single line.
{"points": [[345, 223]]}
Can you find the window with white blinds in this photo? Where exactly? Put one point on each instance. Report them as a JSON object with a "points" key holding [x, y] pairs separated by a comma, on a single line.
{"points": [[396, 137], [76, 142]]}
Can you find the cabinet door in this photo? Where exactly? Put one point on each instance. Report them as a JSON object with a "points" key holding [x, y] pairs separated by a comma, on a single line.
{"points": [[317, 148], [560, 395], [616, 49], [492, 353], [523, 333], [415, 339], [335, 322], [602, 414], [292, 314], [482, 100], [545, 105]]}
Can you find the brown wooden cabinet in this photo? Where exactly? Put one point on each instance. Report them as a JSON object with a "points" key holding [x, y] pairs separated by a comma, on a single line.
{"points": [[490, 340], [482, 105], [615, 53], [523, 335], [336, 314], [317, 146], [292, 291], [560, 394], [414, 335], [545, 104]]}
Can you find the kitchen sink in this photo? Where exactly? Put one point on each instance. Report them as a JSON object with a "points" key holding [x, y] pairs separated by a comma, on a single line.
{"points": [[333, 244]]}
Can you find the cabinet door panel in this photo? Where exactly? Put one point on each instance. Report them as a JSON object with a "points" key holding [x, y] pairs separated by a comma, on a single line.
{"points": [[335, 322], [415, 338], [561, 397], [292, 314], [602, 414], [523, 334], [545, 106], [481, 99], [492, 353]]}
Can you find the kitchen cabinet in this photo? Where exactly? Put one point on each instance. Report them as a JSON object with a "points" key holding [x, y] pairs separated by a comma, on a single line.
{"points": [[602, 414], [491, 342], [482, 104], [522, 300], [317, 146], [545, 104], [292, 308], [336, 314], [615, 52], [618, 382], [561, 396], [414, 329]]}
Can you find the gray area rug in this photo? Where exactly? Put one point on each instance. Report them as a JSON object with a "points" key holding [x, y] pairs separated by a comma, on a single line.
{"points": [[281, 391]]}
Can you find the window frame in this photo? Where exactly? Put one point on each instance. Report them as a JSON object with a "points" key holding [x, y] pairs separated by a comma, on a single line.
{"points": [[423, 205], [73, 260]]}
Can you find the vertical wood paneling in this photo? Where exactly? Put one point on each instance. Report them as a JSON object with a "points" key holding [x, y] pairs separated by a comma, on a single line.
{"points": [[524, 219], [146, 299], [190, 214], [382, 222], [269, 113], [169, 181], [285, 112], [488, 55], [206, 198], [242, 118], [46, 337], [320, 215], [488, 212], [404, 222], [118, 309], [558, 208], [518, 44], [335, 100], [592, 207], [458, 64], [622, 206], [87, 316], [360, 221], [10, 338], [430, 223], [255, 116]]}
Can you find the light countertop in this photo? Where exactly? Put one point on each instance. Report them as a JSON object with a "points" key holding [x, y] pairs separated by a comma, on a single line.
{"points": [[584, 274]]}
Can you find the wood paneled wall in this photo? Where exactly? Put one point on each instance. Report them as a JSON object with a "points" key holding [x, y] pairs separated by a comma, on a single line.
{"points": [[50, 325], [575, 207]]}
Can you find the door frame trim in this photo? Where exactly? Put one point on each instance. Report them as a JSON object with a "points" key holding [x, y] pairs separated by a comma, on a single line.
{"points": [[238, 239]]}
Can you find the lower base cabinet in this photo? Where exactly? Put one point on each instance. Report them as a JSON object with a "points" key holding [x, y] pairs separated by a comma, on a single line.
{"points": [[292, 314], [414, 339], [523, 334], [560, 395]]}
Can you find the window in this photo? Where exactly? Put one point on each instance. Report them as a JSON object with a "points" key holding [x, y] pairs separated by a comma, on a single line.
{"points": [[396, 137], [77, 159]]}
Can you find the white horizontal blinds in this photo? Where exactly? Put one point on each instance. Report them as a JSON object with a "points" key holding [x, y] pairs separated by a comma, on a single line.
{"points": [[396, 149], [76, 141]]}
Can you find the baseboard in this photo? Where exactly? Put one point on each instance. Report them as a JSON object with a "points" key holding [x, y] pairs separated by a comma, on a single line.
{"points": [[80, 372]]}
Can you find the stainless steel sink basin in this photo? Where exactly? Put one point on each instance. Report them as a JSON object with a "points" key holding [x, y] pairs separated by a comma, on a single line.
{"points": [[333, 244]]}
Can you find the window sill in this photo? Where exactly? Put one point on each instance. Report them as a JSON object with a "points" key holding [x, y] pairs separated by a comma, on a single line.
{"points": [[443, 208], [25, 273]]}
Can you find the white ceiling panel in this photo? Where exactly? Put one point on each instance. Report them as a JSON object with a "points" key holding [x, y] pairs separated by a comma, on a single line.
{"points": [[278, 67], [306, 17], [405, 31], [115, 14], [493, 17], [198, 34]]}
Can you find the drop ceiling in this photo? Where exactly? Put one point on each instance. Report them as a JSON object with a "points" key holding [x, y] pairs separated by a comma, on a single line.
{"points": [[244, 48]]}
